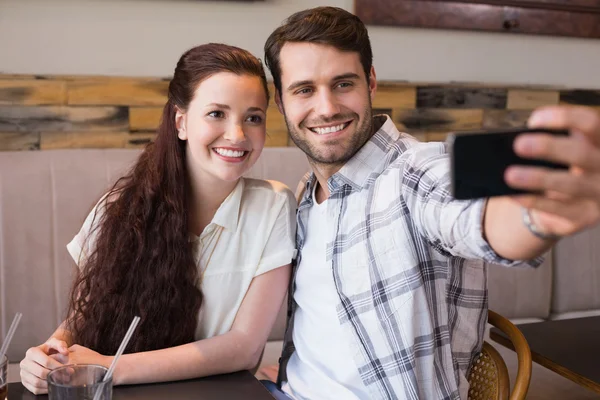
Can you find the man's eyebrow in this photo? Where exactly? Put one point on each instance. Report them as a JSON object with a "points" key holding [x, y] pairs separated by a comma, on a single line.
{"points": [[348, 75], [297, 84]]}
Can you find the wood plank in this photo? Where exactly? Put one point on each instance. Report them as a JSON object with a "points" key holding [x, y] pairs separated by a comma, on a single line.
{"points": [[32, 92], [438, 120], [18, 76], [277, 134], [276, 138], [459, 97], [65, 77], [420, 136], [105, 78], [63, 119], [436, 136], [12, 141], [581, 97], [395, 96], [123, 92], [271, 87], [530, 99], [139, 140], [93, 140], [541, 17], [387, 111], [144, 118], [493, 119]]}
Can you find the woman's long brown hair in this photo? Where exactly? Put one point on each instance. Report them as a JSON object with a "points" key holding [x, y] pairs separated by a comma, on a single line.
{"points": [[142, 262]]}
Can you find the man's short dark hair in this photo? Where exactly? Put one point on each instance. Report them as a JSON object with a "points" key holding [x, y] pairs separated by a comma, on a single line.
{"points": [[323, 25]]}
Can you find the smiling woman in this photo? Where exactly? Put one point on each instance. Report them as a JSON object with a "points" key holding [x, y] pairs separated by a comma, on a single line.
{"points": [[200, 253]]}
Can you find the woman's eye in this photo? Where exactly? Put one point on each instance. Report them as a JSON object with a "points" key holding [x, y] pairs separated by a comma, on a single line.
{"points": [[216, 114], [255, 119]]}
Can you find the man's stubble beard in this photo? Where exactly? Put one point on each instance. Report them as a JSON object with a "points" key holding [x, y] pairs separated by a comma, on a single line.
{"points": [[362, 134]]}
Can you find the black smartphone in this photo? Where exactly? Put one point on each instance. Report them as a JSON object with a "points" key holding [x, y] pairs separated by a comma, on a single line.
{"points": [[478, 160]]}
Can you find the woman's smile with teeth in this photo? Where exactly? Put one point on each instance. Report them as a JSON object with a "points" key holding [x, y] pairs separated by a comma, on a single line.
{"points": [[229, 153], [330, 129]]}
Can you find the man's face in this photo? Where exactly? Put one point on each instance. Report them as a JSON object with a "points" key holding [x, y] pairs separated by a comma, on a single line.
{"points": [[326, 100]]}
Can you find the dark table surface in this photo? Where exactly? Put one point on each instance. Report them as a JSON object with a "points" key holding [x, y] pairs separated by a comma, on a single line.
{"points": [[569, 347], [239, 385]]}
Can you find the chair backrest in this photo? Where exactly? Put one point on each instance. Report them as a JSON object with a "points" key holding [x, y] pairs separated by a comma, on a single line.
{"points": [[488, 378]]}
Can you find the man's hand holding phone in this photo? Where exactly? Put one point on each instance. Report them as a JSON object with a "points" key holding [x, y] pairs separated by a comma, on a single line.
{"points": [[552, 169]]}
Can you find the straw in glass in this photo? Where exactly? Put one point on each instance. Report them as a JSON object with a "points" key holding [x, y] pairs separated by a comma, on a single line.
{"points": [[9, 335], [120, 351]]}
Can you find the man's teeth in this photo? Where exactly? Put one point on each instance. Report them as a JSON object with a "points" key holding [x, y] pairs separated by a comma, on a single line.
{"points": [[329, 129], [230, 153]]}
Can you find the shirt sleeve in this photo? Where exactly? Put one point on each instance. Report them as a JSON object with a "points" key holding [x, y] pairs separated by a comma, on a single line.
{"points": [[81, 246], [452, 226], [280, 248]]}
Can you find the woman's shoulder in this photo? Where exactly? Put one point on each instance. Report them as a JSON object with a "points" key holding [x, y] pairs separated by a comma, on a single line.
{"points": [[262, 188], [262, 195]]}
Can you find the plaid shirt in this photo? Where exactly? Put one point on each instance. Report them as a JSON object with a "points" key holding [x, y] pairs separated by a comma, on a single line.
{"points": [[408, 265]]}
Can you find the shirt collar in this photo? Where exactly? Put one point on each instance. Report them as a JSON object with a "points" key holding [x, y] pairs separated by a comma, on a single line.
{"points": [[371, 158], [229, 211]]}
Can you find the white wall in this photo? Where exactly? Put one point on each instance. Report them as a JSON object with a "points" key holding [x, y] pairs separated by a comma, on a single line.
{"points": [[146, 37]]}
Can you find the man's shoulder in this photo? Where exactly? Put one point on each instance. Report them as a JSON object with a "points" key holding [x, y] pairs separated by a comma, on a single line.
{"points": [[406, 151]]}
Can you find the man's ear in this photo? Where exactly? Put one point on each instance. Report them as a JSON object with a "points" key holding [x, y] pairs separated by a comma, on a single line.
{"points": [[372, 83], [278, 101], [180, 124]]}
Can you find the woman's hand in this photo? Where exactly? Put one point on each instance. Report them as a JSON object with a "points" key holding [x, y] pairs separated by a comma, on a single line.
{"points": [[38, 363], [82, 355]]}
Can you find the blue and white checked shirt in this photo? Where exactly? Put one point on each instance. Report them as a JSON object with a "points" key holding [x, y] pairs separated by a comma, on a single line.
{"points": [[408, 264]]}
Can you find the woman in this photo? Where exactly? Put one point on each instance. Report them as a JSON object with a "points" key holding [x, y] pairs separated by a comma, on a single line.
{"points": [[199, 253]]}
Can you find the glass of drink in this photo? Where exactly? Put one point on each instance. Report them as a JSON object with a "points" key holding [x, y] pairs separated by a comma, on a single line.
{"points": [[79, 382], [3, 378]]}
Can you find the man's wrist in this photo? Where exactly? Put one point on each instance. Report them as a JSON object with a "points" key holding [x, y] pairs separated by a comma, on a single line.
{"points": [[534, 229]]}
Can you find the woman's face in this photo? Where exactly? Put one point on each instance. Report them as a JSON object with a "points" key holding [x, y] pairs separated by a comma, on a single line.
{"points": [[224, 126]]}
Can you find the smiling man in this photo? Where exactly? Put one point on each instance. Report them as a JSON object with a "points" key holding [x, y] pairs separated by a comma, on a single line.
{"points": [[388, 297]]}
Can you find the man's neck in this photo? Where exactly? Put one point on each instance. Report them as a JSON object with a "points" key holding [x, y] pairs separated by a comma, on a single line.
{"points": [[323, 174], [325, 171]]}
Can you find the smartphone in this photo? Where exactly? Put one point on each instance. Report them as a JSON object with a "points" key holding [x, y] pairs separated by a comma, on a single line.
{"points": [[478, 160]]}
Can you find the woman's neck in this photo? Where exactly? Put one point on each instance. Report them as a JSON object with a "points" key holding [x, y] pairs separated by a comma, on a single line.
{"points": [[205, 198]]}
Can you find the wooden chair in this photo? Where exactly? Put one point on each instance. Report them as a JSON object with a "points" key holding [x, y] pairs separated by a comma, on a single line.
{"points": [[488, 378]]}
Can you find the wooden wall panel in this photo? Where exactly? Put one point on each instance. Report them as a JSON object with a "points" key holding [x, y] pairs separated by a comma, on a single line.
{"points": [[124, 92], [31, 92], [50, 112], [62, 118]]}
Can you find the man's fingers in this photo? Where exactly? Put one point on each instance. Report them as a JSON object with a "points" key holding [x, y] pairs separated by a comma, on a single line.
{"points": [[575, 118], [572, 151], [539, 179]]}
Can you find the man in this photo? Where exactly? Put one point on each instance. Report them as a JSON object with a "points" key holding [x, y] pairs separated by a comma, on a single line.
{"points": [[388, 297]]}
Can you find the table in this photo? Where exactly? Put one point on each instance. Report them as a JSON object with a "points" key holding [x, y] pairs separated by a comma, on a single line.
{"points": [[569, 347], [238, 385]]}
